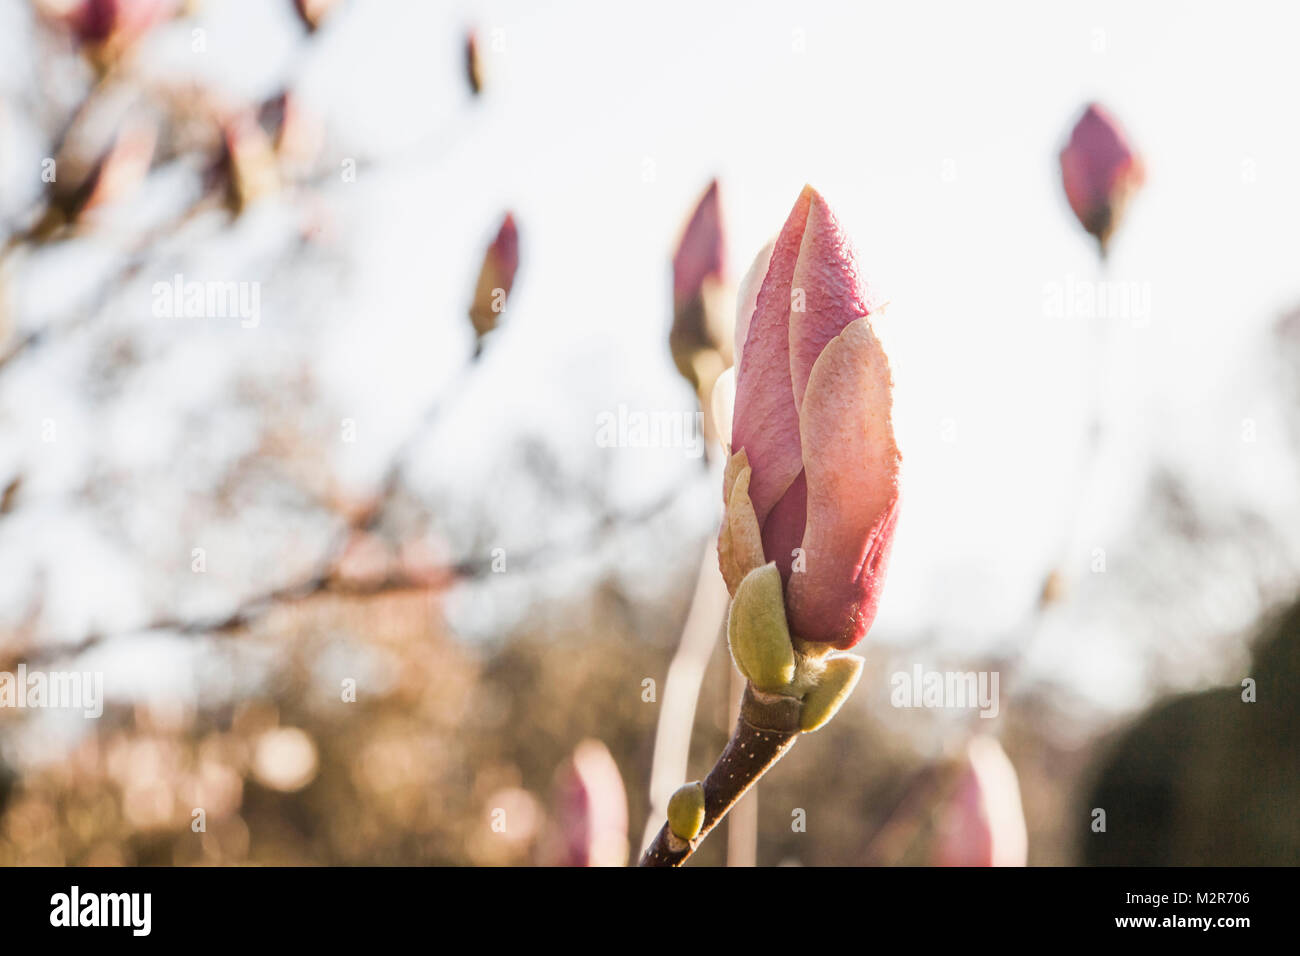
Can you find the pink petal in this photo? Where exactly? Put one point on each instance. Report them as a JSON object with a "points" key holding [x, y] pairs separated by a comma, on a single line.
{"points": [[833, 295], [747, 295], [767, 422], [784, 528], [591, 808], [851, 464], [1098, 169], [701, 252], [984, 824]]}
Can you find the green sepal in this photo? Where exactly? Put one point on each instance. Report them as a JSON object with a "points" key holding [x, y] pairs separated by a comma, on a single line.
{"points": [[757, 631], [836, 682]]}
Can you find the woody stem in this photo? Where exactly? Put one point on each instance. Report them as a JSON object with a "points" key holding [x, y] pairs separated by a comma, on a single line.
{"points": [[765, 731]]}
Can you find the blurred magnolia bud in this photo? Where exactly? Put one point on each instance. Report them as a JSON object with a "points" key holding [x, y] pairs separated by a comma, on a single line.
{"points": [[312, 13], [115, 175], [1100, 172], [590, 810], [295, 132], [473, 63], [107, 28], [701, 334], [495, 279], [102, 159], [984, 823], [248, 161]]}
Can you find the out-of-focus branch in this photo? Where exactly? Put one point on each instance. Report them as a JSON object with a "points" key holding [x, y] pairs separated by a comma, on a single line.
{"points": [[326, 579], [704, 620]]}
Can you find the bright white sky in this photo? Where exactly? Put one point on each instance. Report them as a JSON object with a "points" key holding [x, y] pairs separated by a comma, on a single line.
{"points": [[933, 131]]}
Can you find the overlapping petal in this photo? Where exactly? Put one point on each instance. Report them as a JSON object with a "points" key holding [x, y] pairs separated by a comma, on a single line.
{"points": [[851, 463], [766, 421]]}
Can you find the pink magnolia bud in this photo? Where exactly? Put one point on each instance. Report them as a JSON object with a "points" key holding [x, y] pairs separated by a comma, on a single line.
{"points": [[1100, 171], [702, 329], [495, 278], [312, 13], [812, 417], [115, 23], [701, 253], [983, 824], [119, 171], [590, 810]]}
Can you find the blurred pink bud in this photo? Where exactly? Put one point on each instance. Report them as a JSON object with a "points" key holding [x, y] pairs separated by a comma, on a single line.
{"points": [[496, 277], [812, 414], [702, 329], [114, 23], [1100, 171], [121, 169], [701, 252], [984, 824], [312, 13], [590, 810]]}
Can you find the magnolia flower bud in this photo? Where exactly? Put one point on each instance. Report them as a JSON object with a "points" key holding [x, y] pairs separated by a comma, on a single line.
{"points": [[312, 13], [834, 685], [495, 279], [757, 632], [984, 824], [107, 28], [117, 173], [1100, 173], [701, 334], [590, 810], [812, 416], [686, 811]]}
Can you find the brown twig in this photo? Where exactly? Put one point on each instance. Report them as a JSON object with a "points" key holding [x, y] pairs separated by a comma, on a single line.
{"points": [[765, 731]]}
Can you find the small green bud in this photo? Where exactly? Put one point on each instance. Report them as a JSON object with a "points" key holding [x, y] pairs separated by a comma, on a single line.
{"points": [[757, 631], [686, 811], [831, 690]]}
